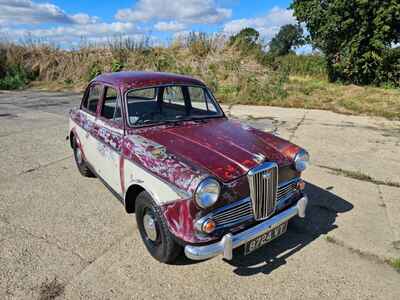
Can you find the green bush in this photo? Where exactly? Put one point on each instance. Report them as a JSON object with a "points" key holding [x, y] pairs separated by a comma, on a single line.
{"points": [[116, 65], [93, 71], [304, 65], [15, 78], [388, 72], [354, 36], [162, 60]]}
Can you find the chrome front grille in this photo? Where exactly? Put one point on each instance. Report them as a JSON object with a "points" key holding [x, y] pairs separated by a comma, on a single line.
{"points": [[263, 183], [238, 212], [287, 189], [242, 210]]}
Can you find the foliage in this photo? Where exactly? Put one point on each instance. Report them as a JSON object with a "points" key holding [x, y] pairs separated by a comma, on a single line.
{"points": [[199, 44], [353, 35], [234, 76], [313, 65], [15, 78], [388, 72], [116, 65], [289, 37], [93, 71], [246, 40], [3, 62], [248, 43]]}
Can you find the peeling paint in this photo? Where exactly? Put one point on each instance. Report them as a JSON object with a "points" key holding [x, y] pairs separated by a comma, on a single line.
{"points": [[179, 157]]}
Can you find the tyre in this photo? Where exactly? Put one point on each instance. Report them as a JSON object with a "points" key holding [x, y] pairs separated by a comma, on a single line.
{"points": [[80, 161], [153, 230]]}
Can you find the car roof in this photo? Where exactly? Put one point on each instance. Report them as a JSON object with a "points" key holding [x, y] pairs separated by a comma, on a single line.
{"points": [[129, 80]]}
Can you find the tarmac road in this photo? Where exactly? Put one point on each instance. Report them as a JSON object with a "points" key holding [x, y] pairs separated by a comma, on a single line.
{"points": [[67, 236]]}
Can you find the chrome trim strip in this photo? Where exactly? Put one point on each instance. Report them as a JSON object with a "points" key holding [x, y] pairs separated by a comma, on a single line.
{"points": [[230, 241]]}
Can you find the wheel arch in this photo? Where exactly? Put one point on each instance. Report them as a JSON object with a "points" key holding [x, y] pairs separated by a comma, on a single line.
{"points": [[71, 138], [131, 195]]}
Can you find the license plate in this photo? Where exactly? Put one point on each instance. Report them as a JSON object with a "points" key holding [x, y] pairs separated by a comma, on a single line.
{"points": [[265, 238]]}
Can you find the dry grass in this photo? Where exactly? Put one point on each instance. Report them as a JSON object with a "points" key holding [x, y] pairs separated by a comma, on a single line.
{"points": [[349, 99], [233, 76]]}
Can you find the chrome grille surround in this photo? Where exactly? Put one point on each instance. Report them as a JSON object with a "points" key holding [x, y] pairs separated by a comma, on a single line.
{"points": [[263, 183], [242, 210]]}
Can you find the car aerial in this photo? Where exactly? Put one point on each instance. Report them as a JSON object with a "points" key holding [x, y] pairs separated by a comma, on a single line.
{"points": [[195, 179]]}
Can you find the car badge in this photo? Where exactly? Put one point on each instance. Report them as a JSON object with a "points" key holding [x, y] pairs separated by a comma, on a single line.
{"points": [[259, 158]]}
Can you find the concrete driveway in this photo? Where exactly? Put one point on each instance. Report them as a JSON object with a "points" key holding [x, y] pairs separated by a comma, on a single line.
{"points": [[64, 235]]}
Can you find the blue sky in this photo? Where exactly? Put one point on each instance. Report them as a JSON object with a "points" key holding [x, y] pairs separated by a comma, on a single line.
{"points": [[66, 22]]}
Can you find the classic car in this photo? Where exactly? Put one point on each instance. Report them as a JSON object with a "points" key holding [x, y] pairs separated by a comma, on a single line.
{"points": [[195, 179]]}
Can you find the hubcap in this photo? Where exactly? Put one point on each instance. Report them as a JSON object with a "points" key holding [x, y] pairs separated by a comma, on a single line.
{"points": [[150, 227], [79, 155]]}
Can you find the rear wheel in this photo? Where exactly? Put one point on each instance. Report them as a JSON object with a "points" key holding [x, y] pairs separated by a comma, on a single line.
{"points": [[80, 161], [153, 230]]}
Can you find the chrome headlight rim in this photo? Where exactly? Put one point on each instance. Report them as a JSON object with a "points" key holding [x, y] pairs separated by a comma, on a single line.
{"points": [[301, 160], [207, 199]]}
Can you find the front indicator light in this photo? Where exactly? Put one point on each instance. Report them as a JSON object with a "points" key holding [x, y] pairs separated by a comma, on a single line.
{"points": [[206, 226], [301, 185]]}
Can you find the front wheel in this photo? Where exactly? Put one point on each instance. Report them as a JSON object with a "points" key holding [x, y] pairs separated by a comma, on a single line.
{"points": [[153, 230]]}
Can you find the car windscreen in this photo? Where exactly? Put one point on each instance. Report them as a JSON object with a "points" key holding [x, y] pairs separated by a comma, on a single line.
{"points": [[169, 104]]}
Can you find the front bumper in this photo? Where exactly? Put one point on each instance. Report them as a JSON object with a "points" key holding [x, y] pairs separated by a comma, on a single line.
{"points": [[230, 241]]}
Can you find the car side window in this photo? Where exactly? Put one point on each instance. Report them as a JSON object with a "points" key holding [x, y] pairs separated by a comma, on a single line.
{"points": [[92, 99], [174, 95], [201, 101], [111, 108]]}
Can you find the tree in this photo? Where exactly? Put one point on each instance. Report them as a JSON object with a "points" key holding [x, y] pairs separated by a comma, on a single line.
{"points": [[353, 34], [288, 37], [246, 40]]}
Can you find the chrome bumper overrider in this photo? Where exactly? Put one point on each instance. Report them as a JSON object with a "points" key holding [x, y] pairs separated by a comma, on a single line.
{"points": [[230, 241]]}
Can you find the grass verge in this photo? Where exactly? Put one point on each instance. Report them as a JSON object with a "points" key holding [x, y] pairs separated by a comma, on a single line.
{"points": [[360, 176]]}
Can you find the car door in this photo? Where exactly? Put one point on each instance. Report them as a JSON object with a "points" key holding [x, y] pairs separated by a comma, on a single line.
{"points": [[110, 130], [85, 132]]}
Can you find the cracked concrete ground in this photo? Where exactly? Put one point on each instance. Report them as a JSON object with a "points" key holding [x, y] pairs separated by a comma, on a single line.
{"points": [[56, 224]]}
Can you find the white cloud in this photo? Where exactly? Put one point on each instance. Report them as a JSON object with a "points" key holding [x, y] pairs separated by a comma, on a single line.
{"points": [[184, 11], [169, 26], [84, 19], [29, 12], [71, 33], [14, 13], [267, 25]]}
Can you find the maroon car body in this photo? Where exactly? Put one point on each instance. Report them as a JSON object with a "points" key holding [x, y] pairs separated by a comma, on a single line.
{"points": [[126, 137]]}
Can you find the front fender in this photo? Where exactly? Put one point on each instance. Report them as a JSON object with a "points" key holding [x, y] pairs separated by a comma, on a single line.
{"points": [[161, 191]]}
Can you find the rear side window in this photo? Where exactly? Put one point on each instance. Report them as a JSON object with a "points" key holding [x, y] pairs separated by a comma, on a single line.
{"points": [[111, 109], [92, 98], [201, 101]]}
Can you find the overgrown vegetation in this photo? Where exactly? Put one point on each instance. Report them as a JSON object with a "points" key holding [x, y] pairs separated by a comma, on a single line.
{"points": [[237, 69], [289, 37], [357, 38]]}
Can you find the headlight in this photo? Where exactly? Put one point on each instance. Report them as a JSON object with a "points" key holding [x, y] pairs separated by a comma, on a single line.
{"points": [[207, 193], [301, 160]]}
